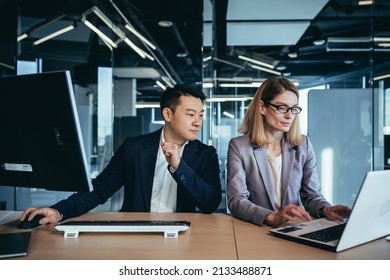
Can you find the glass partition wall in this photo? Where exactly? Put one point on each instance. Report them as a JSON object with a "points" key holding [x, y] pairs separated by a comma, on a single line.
{"points": [[56, 39], [339, 61], [336, 52], [121, 56]]}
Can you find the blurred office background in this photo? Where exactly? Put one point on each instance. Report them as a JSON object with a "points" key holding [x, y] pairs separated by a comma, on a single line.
{"points": [[123, 53]]}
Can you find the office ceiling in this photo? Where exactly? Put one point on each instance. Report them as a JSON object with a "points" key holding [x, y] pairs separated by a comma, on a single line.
{"points": [[278, 32]]}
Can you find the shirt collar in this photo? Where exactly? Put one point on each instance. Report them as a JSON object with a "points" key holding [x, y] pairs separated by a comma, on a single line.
{"points": [[162, 140]]}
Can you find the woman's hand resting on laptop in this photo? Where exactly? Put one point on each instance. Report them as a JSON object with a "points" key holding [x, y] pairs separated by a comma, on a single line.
{"points": [[292, 214], [337, 212], [289, 214]]}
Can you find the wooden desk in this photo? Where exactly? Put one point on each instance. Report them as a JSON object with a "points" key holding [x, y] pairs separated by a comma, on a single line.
{"points": [[254, 242], [209, 237]]}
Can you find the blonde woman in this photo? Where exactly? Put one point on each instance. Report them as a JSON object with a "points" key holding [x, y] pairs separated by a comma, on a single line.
{"points": [[272, 177]]}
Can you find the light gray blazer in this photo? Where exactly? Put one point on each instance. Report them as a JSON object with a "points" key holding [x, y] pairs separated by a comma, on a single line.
{"points": [[249, 185]]}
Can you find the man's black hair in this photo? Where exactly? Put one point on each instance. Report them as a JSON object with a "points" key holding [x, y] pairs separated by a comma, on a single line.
{"points": [[170, 97]]}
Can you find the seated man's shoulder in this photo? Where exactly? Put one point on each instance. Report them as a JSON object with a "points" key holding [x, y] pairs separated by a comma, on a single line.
{"points": [[133, 140], [202, 146], [136, 142]]}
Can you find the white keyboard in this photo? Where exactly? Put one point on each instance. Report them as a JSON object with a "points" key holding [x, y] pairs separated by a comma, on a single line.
{"points": [[170, 229]]}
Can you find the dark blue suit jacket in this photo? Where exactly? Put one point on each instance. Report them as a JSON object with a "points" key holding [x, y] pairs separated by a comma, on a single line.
{"points": [[132, 166]]}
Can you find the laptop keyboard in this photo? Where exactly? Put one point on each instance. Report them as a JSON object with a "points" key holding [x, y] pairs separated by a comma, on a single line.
{"points": [[326, 234]]}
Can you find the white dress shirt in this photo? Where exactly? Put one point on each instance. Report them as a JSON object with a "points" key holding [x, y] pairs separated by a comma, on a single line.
{"points": [[275, 163], [164, 191]]}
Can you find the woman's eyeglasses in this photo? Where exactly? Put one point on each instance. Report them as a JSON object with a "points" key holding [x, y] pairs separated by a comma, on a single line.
{"points": [[284, 109]]}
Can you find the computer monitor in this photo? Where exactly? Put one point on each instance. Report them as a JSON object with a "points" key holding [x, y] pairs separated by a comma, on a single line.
{"points": [[41, 144]]}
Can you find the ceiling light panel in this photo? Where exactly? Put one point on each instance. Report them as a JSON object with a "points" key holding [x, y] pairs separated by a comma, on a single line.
{"points": [[140, 36], [95, 19], [53, 28], [269, 22], [274, 9], [54, 34], [265, 69], [263, 33], [256, 61], [207, 34], [137, 73], [356, 44]]}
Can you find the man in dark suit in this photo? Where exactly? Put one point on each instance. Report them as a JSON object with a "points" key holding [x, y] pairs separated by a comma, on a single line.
{"points": [[168, 170]]}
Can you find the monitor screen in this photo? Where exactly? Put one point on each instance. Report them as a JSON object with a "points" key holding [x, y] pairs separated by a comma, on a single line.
{"points": [[41, 144]]}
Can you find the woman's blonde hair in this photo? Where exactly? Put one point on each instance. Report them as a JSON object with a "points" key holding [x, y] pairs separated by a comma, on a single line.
{"points": [[253, 123]]}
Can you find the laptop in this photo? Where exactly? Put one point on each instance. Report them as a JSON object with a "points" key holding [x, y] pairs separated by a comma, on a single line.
{"points": [[369, 219]]}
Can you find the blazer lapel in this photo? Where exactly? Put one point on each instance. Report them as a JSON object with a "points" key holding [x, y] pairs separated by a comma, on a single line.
{"points": [[260, 154], [148, 157], [288, 155]]}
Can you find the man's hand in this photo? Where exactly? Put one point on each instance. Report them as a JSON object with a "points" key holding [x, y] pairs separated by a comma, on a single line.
{"points": [[52, 216], [172, 154]]}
